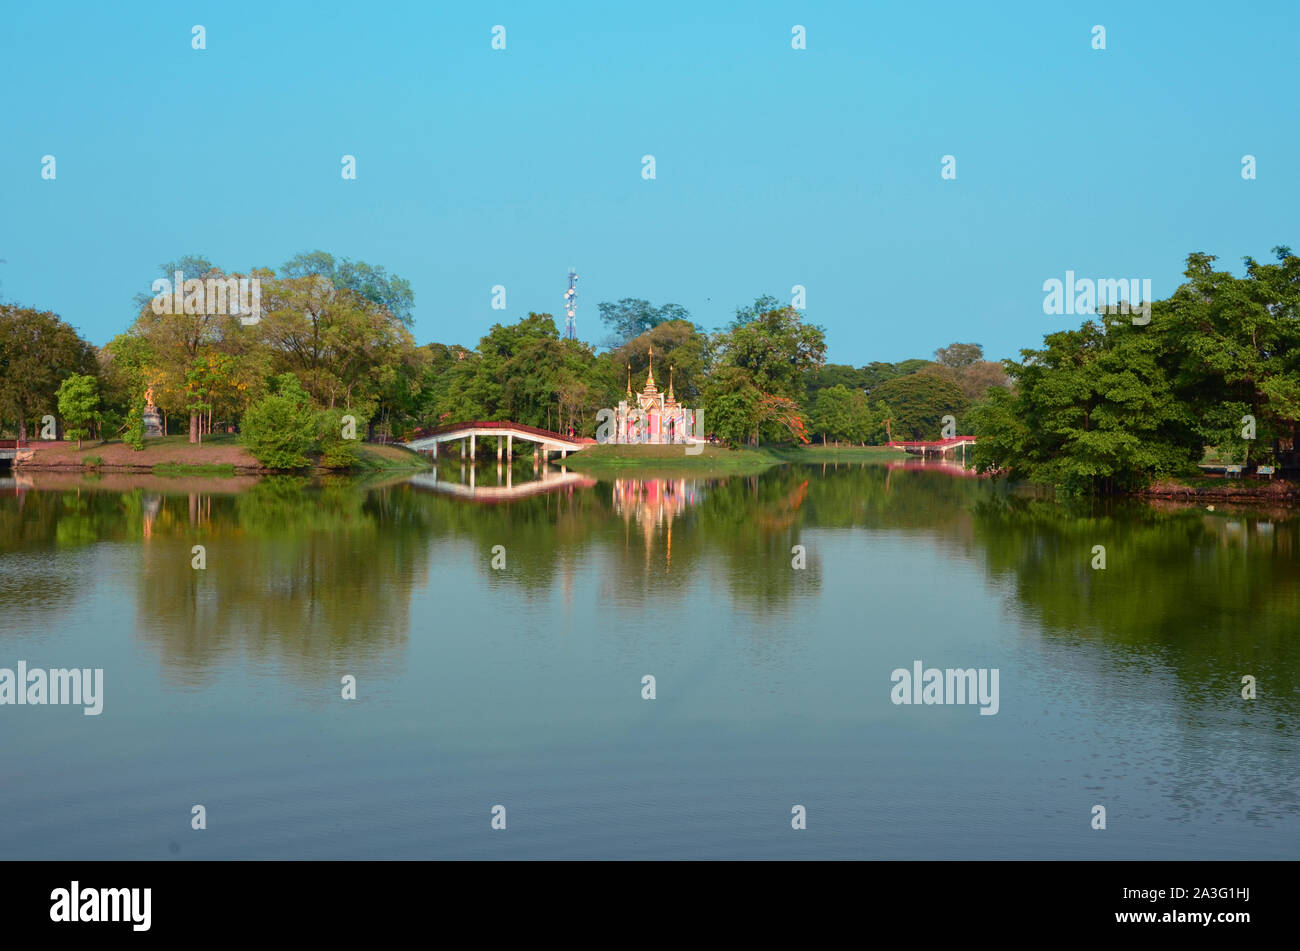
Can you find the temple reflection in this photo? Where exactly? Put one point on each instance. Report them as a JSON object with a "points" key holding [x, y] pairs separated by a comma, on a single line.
{"points": [[653, 504]]}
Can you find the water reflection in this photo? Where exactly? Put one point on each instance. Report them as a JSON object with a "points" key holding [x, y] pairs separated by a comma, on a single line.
{"points": [[547, 480], [319, 576]]}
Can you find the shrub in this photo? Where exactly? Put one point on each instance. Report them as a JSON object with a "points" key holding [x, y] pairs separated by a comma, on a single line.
{"points": [[281, 428], [336, 452]]}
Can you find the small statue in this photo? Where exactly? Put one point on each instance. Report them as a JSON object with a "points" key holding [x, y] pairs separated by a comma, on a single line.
{"points": [[152, 420]]}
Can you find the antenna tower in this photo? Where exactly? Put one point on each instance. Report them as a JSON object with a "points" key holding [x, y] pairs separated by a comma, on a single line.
{"points": [[571, 307]]}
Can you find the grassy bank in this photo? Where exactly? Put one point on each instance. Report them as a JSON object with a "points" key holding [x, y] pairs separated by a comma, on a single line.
{"points": [[819, 453], [219, 456], [385, 458], [172, 456], [611, 460], [1212, 487], [175, 470]]}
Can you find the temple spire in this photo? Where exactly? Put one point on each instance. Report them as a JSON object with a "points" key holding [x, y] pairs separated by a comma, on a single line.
{"points": [[650, 375], [671, 399], [629, 381]]}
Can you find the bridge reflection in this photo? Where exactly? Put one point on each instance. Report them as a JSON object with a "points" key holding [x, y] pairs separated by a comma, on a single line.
{"points": [[950, 466], [546, 481]]}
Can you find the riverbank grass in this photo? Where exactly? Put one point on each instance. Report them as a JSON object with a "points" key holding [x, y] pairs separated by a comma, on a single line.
{"points": [[667, 460], [174, 470], [220, 455], [816, 452]]}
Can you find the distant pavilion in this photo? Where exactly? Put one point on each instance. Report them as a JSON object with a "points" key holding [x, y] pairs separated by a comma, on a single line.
{"points": [[651, 416]]}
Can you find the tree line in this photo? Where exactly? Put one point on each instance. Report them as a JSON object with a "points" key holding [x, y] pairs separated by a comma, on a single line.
{"points": [[333, 337], [1117, 403]]}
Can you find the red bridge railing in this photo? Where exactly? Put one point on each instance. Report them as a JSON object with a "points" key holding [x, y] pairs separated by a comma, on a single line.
{"points": [[491, 424], [931, 443]]}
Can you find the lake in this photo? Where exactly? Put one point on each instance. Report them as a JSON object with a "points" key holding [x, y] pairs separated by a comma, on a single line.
{"points": [[523, 685]]}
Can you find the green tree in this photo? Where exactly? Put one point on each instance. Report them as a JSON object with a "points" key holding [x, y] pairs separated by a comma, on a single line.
{"points": [[958, 355], [776, 348], [918, 402], [834, 374], [832, 414], [337, 340], [1096, 410], [78, 398], [682, 356], [389, 292], [1237, 342], [179, 342], [37, 351], [133, 429], [876, 373], [336, 450], [732, 406], [1115, 404], [200, 381], [281, 428], [124, 371], [632, 317]]}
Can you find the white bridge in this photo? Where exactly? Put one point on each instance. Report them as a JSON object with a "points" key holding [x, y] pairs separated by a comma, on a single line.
{"points": [[505, 432]]}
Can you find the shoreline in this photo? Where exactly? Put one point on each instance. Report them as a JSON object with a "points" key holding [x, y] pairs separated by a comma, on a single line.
{"points": [[175, 457], [1278, 490]]}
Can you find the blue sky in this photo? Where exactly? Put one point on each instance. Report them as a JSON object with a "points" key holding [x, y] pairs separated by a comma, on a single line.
{"points": [[774, 167]]}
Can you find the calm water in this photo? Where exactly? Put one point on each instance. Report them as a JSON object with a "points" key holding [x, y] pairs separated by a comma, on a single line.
{"points": [[523, 686]]}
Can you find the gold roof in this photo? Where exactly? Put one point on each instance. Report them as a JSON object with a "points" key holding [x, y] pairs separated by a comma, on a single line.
{"points": [[650, 375]]}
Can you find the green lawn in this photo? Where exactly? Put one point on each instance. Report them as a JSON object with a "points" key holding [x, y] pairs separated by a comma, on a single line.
{"points": [[176, 469], [816, 452], [377, 458], [611, 460]]}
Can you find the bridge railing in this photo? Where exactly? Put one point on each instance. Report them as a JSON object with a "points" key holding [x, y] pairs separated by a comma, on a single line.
{"points": [[954, 441], [491, 424]]}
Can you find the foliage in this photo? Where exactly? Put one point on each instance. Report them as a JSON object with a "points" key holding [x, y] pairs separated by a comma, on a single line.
{"points": [[37, 351], [1113, 405], [133, 432], [840, 414], [732, 406], [958, 355], [280, 429], [918, 402], [678, 344], [632, 317], [78, 397], [776, 348], [336, 451]]}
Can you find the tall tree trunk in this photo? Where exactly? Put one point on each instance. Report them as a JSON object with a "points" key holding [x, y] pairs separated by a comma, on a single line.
{"points": [[194, 427]]}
